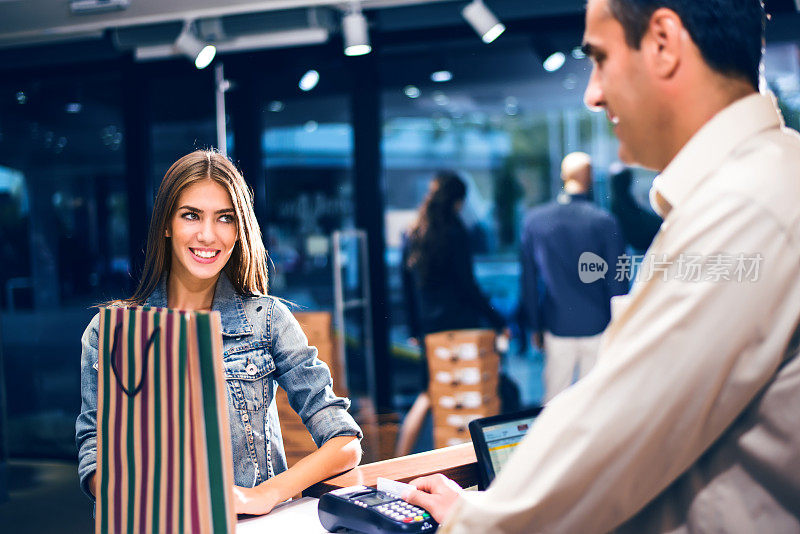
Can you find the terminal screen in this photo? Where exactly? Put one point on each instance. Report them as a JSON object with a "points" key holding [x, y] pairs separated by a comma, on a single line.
{"points": [[377, 498], [503, 438]]}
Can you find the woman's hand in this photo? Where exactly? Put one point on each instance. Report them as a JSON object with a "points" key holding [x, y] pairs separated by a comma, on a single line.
{"points": [[255, 501], [338, 454], [92, 483]]}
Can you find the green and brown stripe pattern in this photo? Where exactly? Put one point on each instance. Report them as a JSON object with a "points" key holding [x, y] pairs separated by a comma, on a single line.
{"points": [[163, 449]]}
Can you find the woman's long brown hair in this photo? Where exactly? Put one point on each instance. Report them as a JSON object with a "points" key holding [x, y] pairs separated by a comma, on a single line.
{"points": [[247, 266], [430, 236]]}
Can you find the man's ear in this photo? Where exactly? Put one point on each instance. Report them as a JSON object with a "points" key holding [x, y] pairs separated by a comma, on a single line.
{"points": [[664, 42]]}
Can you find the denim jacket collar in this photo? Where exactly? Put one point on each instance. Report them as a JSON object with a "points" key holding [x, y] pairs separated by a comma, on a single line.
{"points": [[227, 302]]}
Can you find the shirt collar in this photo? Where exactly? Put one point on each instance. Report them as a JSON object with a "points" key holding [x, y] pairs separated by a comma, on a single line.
{"points": [[710, 146], [566, 198], [227, 302]]}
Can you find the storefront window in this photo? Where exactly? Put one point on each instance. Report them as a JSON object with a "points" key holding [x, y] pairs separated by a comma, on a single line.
{"points": [[307, 159], [503, 123], [782, 74], [181, 120], [64, 244]]}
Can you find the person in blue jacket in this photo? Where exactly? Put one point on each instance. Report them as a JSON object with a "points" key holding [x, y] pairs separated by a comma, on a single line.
{"points": [[566, 308]]}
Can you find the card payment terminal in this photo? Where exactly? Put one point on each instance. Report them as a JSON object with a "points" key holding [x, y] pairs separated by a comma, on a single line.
{"points": [[370, 511]]}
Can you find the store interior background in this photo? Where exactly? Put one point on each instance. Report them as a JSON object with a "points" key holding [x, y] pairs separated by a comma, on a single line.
{"points": [[87, 132]]}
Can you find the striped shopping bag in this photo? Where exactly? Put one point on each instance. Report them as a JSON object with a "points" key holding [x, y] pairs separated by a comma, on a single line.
{"points": [[164, 460]]}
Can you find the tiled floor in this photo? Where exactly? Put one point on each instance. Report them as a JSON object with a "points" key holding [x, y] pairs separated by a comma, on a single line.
{"points": [[44, 497]]}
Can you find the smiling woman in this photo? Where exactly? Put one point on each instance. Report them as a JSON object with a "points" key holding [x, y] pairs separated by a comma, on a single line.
{"points": [[204, 252], [202, 234], [203, 197]]}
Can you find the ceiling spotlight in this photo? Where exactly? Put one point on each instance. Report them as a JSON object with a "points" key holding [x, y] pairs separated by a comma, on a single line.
{"points": [[578, 53], [188, 44], [354, 28], [483, 21], [309, 80], [512, 106], [554, 61], [412, 91], [441, 76], [444, 123]]}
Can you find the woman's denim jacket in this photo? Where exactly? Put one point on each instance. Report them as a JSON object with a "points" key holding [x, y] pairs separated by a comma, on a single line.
{"points": [[263, 345]]}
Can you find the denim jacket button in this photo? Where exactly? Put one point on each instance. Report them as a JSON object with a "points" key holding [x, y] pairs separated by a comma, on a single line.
{"points": [[251, 369]]}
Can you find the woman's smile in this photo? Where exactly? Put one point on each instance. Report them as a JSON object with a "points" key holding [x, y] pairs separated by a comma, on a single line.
{"points": [[204, 255]]}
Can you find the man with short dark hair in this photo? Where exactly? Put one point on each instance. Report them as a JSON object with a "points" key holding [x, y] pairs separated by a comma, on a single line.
{"points": [[689, 422]]}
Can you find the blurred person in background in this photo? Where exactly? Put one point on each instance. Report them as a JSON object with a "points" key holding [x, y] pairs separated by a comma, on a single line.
{"points": [[438, 279], [565, 311], [440, 288], [639, 225]]}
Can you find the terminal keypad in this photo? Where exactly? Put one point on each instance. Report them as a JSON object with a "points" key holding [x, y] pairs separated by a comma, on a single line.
{"points": [[403, 512]]}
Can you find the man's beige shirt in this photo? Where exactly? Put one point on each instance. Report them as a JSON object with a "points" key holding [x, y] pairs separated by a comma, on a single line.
{"points": [[690, 422]]}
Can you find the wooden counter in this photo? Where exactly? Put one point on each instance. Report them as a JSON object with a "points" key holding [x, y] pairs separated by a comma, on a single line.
{"points": [[457, 462]]}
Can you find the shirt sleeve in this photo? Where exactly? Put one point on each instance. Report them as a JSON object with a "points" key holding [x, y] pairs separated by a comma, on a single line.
{"points": [[678, 363], [463, 270], [307, 380], [529, 280], [410, 293], [86, 424]]}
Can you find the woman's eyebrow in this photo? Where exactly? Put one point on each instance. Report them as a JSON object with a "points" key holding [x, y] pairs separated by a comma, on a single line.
{"points": [[192, 208]]}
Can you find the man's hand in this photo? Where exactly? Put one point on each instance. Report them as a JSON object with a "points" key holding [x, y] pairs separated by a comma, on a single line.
{"points": [[436, 493], [255, 501]]}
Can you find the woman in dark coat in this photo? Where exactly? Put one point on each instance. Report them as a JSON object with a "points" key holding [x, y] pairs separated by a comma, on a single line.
{"points": [[440, 288]]}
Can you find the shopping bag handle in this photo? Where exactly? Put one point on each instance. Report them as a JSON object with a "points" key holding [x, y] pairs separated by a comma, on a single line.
{"points": [[137, 389]]}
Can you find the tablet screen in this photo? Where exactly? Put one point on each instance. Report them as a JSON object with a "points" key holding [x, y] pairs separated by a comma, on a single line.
{"points": [[496, 437], [503, 438]]}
